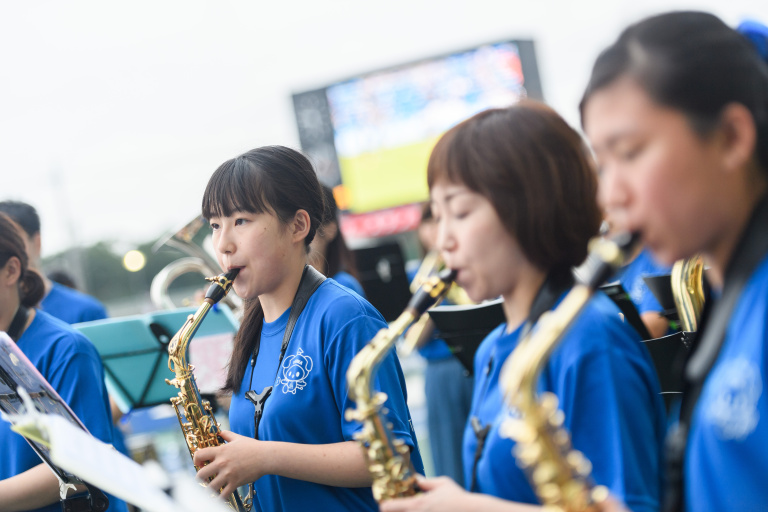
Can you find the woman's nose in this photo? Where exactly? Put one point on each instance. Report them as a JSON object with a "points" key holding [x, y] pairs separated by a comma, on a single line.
{"points": [[224, 243], [444, 241]]}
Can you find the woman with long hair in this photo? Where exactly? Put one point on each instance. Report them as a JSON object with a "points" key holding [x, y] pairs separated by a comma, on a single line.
{"points": [[290, 439]]}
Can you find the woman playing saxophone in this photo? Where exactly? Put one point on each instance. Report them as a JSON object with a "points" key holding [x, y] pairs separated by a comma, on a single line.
{"points": [[514, 195], [290, 439]]}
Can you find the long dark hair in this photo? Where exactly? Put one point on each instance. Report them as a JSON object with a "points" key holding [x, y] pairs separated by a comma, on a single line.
{"points": [[535, 171], [692, 62], [337, 255], [270, 179], [31, 286]]}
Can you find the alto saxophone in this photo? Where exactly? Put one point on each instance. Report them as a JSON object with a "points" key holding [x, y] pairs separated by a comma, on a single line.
{"points": [[198, 424], [384, 455], [559, 475]]}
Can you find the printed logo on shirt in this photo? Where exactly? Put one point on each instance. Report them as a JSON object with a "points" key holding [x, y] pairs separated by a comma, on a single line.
{"points": [[296, 369], [732, 404]]}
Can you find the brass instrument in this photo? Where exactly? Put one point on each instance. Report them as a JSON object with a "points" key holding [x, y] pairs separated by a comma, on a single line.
{"points": [[198, 424], [199, 261], [429, 267], [559, 475], [392, 478], [688, 291]]}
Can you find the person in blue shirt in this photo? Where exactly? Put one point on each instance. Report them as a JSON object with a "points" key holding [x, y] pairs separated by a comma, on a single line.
{"points": [[514, 195], [330, 254], [265, 207], [64, 357], [677, 114], [62, 302]]}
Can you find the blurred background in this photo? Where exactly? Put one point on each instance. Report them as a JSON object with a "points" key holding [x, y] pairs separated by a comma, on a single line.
{"points": [[113, 115]]}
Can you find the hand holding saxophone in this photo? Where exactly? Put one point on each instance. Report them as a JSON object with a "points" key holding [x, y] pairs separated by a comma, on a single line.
{"points": [[229, 466]]}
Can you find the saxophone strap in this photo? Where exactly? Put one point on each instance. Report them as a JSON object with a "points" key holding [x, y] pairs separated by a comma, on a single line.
{"points": [[749, 252], [551, 290], [311, 279], [16, 328]]}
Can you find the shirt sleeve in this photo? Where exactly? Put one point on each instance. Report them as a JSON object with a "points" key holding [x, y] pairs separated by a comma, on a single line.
{"points": [[347, 343]]}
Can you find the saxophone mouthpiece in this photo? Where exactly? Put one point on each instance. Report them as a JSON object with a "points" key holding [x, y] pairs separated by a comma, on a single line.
{"points": [[220, 285]]}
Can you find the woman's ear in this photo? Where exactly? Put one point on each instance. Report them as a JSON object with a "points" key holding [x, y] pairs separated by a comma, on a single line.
{"points": [[11, 272], [739, 136], [300, 225]]}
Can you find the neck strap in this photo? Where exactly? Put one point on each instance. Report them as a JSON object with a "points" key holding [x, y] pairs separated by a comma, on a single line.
{"points": [[16, 328]]}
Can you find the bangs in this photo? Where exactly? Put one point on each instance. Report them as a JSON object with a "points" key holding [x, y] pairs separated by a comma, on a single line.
{"points": [[236, 186]]}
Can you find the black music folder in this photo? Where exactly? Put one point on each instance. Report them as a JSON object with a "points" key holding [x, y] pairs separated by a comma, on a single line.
{"points": [[464, 327], [661, 288]]}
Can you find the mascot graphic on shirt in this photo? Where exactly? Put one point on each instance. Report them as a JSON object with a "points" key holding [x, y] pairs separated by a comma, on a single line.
{"points": [[295, 371]]}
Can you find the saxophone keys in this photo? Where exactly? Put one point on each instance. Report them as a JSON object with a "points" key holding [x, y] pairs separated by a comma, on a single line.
{"points": [[545, 473], [527, 454], [518, 430], [561, 438], [549, 493], [599, 494], [579, 463]]}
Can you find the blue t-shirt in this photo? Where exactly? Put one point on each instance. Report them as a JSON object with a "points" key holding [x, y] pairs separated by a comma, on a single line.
{"points": [[310, 394], [726, 459], [631, 279], [607, 387], [70, 363], [71, 305], [346, 279]]}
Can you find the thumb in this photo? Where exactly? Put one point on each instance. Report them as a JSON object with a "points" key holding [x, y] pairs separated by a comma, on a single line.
{"points": [[227, 435], [428, 484]]}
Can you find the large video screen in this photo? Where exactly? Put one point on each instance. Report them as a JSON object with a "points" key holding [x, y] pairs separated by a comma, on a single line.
{"points": [[372, 133]]}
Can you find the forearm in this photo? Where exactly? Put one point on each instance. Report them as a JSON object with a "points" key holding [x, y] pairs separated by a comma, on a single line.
{"points": [[35, 488], [337, 464], [656, 324]]}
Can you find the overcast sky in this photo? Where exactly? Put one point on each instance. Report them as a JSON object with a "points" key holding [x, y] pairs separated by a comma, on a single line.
{"points": [[114, 114]]}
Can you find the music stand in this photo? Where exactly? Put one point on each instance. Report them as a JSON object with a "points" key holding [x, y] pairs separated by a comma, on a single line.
{"points": [[134, 351], [464, 327], [17, 371], [661, 288]]}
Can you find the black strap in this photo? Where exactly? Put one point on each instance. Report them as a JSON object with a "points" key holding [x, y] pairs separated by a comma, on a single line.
{"points": [[549, 293], [16, 328], [481, 433], [311, 279], [749, 252]]}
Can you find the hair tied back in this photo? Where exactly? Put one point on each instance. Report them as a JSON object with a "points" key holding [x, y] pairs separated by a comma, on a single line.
{"points": [[757, 34]]}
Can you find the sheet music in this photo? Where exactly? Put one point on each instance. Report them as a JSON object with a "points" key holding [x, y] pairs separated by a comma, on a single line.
{"points": [[69, 447]]}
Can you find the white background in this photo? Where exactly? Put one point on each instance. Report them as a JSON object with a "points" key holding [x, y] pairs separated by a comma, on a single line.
{"points": [[114, 114]]}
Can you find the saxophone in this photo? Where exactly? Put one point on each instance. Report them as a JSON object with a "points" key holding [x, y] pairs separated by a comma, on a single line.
{"points": [[559, 475], [688, 291], [198, 424], [430, 266], [391, 477]]}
